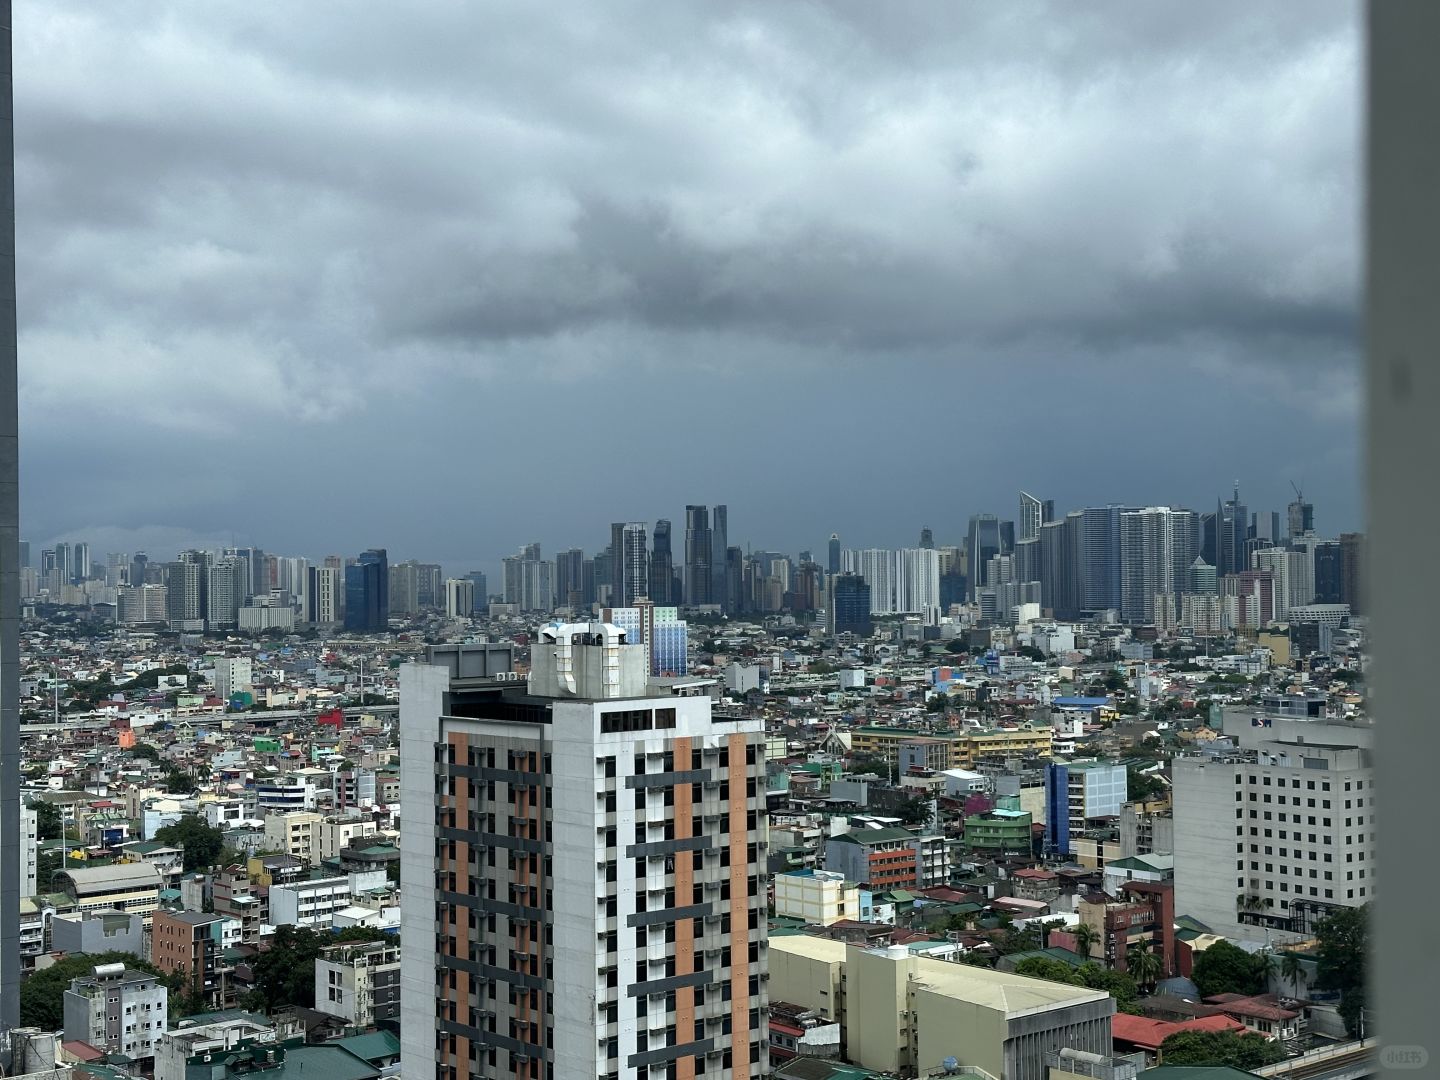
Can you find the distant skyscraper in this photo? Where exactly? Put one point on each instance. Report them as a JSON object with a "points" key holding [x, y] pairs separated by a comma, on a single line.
{"points": [[662, 566], [139, 563], [24, 554], [459, 598], [634, 563], [227, 581], [80, 571], [481, 593], [1352, 560], [1232, 529], [698, 577], [186, 580], [982, 542], [1007, 537], [1060, 565], [719, 542], [1033, 513], [927, 538], [1329, 572], [529, 580], [322, 601], [847, 605], [1157, 546], [570, 578], [1209, 537], [833, 566], [62, 562], [367, 593], [1300, 517]]}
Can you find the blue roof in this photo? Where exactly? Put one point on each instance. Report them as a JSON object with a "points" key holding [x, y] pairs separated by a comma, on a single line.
{"points": [[1081, 702]]}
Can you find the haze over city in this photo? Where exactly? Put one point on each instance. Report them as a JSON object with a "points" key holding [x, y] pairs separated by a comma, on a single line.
{"points": [[287, 285]]}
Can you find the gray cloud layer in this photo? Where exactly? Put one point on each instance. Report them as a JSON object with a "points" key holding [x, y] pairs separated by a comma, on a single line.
{"points": [[291, 254]]}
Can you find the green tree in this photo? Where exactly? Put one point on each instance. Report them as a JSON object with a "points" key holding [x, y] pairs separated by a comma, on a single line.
{"points": [[1118, 984], [285, 972], [1224, 968], [1043, 967], [1030, 652], [203, 843], [1292, 970], [1085, 938], [914, 812], [1143, 786], [1143, 965], [1248, 1051], [146, 751], [1342, 961], [48, 821], [42, 994]]}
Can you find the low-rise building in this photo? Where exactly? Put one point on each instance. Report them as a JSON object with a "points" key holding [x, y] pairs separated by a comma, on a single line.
{"points": [[820, 897], [129, 887], [904, 1013], [359, 982], [295, 834], [94, 932], [118, 1010]]}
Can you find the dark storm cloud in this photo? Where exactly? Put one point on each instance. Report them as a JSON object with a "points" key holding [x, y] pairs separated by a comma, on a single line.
{"points": [[278, 224]]}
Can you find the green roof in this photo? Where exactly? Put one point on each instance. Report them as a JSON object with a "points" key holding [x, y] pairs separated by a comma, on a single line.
{"points": [[372, 1047], [1196, 1072]]}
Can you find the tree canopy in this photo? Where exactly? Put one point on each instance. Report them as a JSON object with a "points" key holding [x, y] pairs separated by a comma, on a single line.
{"points": [[1224, 968], [1117, 984], [1341, 960], [203, 843], [285, 972], [1248, 1051]]}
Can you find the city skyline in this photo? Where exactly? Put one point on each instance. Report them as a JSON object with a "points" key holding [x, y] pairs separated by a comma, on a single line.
{"points": [[752, 536], [1154, 292]]}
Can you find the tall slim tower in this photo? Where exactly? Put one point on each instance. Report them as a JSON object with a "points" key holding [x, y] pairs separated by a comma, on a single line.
{"points": [[581, 867], [662, 565], [698, 583], [10, 862], [1032, 516], [833, 566], [634, 563], [719, 542]]}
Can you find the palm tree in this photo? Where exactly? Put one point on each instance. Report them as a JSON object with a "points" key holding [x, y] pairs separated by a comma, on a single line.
{"points": [[1142, 965], [1085, 938], [1292, 969], [1264, 968]]}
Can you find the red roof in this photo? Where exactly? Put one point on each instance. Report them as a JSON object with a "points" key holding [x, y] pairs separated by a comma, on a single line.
{"points": [[1148, 1034]]}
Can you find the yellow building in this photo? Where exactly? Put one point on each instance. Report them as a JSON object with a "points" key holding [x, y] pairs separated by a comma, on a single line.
{"points": [[904, 1013], [885, 742], [982, 745], [820, 897]]}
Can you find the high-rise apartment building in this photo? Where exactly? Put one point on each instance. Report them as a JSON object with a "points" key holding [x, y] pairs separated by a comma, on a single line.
{"points": [[367, 593], [1277, 562], [322, 607], [1157, 546], [634, 564], [80, 563], [1352, 568], [227, 580], [581, 868], [833, 565], [186, 580], [927, 538], [660, 630]]}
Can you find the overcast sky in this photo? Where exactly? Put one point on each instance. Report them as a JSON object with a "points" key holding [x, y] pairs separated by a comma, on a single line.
{"points": [[447, 277]]}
